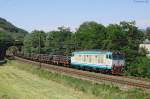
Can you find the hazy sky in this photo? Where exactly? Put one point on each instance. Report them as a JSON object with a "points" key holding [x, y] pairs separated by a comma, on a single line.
{"points": [[49, 14]]}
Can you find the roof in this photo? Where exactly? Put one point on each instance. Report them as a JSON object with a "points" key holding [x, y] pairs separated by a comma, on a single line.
{"points": [[92, 52], [146, 41]]}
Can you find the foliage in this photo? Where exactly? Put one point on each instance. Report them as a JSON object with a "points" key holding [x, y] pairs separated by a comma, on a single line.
{"points": [[115, 36], [140, 67], [124, 37], [5, 39], [35, 42], [15, 32], [8, 35], [148, 33], [90, 35], [57, 42]]}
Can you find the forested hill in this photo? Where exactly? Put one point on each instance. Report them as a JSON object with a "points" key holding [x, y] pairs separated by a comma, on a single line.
{"points": [[8, 28]]}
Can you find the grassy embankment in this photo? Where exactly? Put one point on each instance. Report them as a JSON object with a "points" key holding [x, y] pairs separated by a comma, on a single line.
{"points": [[31, 81], [18, 82]]}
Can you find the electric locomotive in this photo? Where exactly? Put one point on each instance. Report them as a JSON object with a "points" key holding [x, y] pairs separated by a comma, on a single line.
{"points": [[103, 61]]}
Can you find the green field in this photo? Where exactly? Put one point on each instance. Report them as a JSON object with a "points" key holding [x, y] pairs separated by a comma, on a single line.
{"points": [[26, 81], [19, 84]]}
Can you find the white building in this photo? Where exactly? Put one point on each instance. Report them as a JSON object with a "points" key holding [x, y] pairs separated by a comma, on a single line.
{"points": [[146, 45]]}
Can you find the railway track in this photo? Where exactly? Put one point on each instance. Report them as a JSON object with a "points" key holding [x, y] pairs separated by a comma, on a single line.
{"points": [[92, 76]]}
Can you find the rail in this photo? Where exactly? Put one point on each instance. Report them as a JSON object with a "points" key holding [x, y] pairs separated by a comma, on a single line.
{"points": [[92, 76]]}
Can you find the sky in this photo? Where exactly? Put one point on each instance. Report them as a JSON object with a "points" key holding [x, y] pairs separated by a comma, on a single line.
{"points": [[47, 15]]}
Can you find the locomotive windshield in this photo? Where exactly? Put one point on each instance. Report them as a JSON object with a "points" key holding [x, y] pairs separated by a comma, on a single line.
{"points": [[118, 56]]}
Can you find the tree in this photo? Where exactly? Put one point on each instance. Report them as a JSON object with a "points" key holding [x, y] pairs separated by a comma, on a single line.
{"points": [[140, 67], [148, 33], [90, 35], [5, 41], [32, 41], [58, 42], [15, 32], [134, 37], [115, 36]]}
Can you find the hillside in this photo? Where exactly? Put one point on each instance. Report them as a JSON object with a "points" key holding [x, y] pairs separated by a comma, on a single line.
{"points": [[8, 34], [9, 29]]}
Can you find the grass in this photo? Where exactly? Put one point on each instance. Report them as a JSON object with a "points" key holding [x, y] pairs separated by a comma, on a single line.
{"points": [[89, 89], [20, 84]]}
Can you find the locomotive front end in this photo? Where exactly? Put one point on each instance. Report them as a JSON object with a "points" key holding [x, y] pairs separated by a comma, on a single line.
{"points": [[118, 63]]}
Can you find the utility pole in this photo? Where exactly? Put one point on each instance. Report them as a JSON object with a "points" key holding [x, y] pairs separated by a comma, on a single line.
{"points": [[40, 49], [75, 42]]}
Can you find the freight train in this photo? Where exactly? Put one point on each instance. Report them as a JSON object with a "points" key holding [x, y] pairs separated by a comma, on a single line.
{"points": [[99, 61]]}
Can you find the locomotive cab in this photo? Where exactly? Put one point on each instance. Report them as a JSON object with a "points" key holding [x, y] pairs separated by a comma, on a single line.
{"points": [[103, 61], [118, 63]]}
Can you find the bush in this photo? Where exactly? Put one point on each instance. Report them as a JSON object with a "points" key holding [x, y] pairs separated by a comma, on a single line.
{"points": [[140, 67]]}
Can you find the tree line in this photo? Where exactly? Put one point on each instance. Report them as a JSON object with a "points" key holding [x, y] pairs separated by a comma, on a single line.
{"points": [[124, 37]]}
